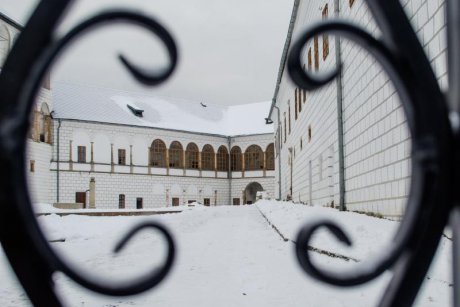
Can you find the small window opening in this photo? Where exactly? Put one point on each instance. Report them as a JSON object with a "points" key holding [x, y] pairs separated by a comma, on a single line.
{"points": [[175, 201], [136, 111], [121, 201], [139, 203]]}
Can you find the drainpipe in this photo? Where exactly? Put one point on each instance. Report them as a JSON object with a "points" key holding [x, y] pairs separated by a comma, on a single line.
{"points": [[291, 153], [229, 142], [338, 59], [278, 149], [57, 157]]}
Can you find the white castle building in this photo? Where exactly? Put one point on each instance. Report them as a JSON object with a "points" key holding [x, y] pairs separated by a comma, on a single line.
{"points": [[103, 148], [347, 144], [144, 152]]}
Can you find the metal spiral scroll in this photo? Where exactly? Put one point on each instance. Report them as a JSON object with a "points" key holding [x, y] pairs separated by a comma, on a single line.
{"points": [[31, 257], [401, 56]]}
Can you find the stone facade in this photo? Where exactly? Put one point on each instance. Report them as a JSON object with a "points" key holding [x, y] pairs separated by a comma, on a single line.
{"points": [[137, 178], [376, 141]]}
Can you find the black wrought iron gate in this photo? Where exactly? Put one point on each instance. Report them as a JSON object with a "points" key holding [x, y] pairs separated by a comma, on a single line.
{"points": [[433, 119]]}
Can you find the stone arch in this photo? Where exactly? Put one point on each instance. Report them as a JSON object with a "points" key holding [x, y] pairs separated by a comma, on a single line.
{"points": [[207, 158], [250, 192], [176, 155], [158, 153], [46, 124], [254, 158], [222, 159], [236, 164], [270, 157], [192, 156]]}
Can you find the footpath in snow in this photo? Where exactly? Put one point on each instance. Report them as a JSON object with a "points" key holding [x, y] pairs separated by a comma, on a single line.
{"points": [[226, 256], [370, 235]]}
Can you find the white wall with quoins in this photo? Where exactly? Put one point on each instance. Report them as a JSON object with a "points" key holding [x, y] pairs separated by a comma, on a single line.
{"points": [[376, 138]]}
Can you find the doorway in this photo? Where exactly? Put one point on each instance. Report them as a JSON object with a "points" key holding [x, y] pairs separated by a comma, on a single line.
{"points": [[80, 197], [250, 193]]}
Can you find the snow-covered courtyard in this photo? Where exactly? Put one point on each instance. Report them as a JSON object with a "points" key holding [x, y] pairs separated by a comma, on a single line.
{"points": [[226, 256]]}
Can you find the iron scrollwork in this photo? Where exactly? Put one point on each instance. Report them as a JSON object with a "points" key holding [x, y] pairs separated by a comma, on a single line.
{"points": [[430, 200], [29, 253]]}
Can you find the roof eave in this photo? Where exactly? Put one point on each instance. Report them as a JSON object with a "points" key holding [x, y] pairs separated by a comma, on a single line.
{"points": [[287, 44]]}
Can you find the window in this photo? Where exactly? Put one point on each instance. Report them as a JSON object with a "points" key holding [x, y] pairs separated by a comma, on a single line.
{"points": [[295, 100], [158, 154], [191, 156], [270, 157], [32, 166], [285, 136], [81, 154], [47, 82], [45, 125], [139, 203], [309, 133], [222, 159], [325, 36], [207, 158], [289, 117], [175, 201], [301, 143], [121, 201], [236, 201], [235, 157], [316, 50], [254, 158], [309, 59], [304, 95], [299, 99], [351, 2], [207, 202], [176, 155], [122, 156]]}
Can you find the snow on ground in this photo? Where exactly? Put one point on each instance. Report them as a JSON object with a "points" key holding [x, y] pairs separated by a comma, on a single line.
{"points": [[227, 256]]}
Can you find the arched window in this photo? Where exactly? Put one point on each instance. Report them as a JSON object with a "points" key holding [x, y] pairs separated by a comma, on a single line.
{"points": [[222, 159], [175, 155], [45, 124], [191, 156], [270, 157], [235, 157], [254, 158], [158, 154], [207, 158]]}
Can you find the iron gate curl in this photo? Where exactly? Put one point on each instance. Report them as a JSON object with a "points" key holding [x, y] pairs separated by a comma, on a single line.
{"points": [[433, 125]]}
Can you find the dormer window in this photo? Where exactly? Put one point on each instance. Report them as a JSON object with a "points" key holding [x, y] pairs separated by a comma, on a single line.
{"points": [[136, 111]]}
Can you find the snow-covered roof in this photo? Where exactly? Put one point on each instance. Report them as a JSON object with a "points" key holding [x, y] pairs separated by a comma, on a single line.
{"points": [[111, 106]]}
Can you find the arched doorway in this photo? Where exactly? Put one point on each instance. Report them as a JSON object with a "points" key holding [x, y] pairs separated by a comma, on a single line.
{"points": [[250, 192]]}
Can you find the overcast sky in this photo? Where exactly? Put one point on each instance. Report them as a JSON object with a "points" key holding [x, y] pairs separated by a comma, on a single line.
{"points": [[229, 49]]}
